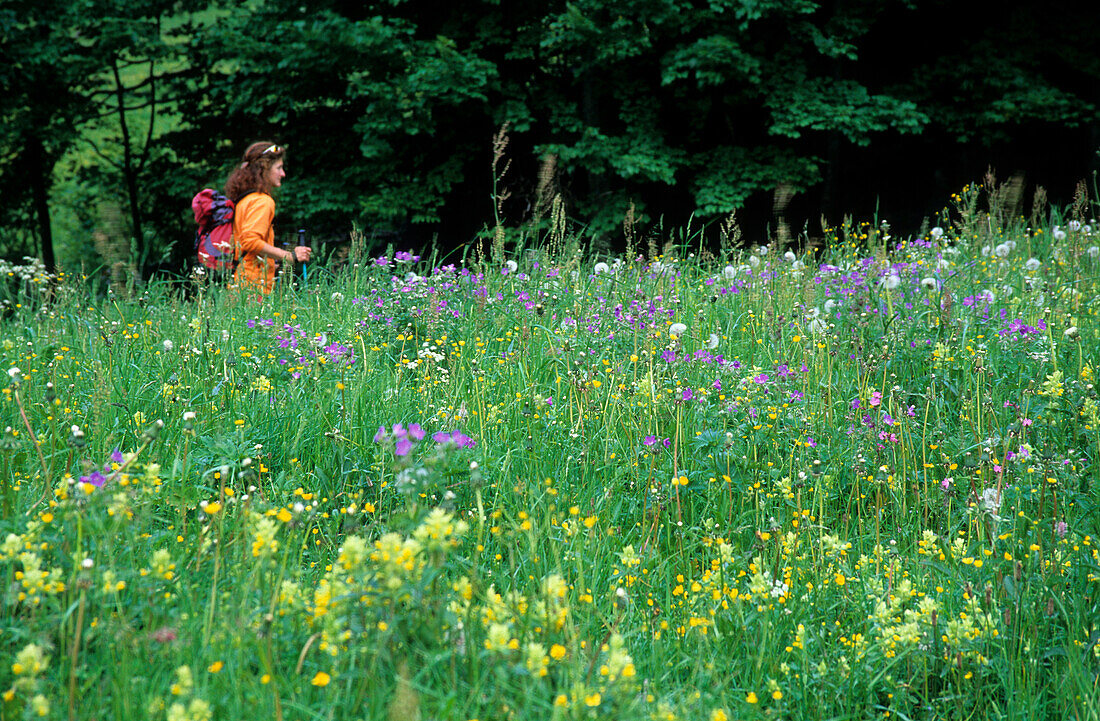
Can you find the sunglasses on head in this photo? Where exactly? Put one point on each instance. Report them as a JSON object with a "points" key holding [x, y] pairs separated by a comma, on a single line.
{"points": [[273, 149]]}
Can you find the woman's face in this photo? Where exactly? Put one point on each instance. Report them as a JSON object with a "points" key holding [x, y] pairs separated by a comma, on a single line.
{"points": [[275, 174]]}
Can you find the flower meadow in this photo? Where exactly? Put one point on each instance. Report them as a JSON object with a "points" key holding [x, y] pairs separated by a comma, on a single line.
{"points": [[853, 482]]}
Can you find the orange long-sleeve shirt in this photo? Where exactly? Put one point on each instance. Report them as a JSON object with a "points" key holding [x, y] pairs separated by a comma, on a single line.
{"points": [[253, 225]]}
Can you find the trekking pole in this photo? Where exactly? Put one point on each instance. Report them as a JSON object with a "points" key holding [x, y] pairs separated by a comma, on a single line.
{"points": [[301, 242]]}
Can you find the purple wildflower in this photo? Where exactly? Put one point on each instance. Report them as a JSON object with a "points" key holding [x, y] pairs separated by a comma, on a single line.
{"points": [[458, 438], [403, 446], [96, 478]]}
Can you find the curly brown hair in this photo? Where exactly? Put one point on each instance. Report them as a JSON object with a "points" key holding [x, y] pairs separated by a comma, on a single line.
{"points": [[250, 175]]}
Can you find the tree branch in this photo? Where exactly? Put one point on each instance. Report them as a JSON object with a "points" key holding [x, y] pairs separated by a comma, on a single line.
{"points": [[97, 151]]}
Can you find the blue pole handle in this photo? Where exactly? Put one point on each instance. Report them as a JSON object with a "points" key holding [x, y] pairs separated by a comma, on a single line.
{"points": [[302, 242]]}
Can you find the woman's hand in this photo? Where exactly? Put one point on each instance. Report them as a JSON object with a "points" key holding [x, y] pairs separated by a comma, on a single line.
{"points": [[300, 254]]}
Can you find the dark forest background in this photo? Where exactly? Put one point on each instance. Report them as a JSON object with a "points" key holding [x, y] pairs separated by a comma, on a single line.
{"points": [[114, 113]]}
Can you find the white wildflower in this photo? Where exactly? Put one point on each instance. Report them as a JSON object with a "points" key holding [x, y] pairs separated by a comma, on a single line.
{"points": [[990, 502]]}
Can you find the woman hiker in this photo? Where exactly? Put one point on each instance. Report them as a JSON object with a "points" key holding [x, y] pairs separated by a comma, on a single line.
{"points": [[249, 187]]}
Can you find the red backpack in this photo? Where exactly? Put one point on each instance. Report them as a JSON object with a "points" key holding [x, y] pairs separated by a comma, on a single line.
{"points": [[214, 237]]}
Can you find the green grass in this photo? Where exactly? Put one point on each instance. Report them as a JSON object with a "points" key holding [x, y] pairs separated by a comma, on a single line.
{"points": [[829, 494]]}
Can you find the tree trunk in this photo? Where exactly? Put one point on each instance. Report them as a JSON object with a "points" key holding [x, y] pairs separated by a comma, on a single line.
{"points": [[40, 187], [129, 169]]}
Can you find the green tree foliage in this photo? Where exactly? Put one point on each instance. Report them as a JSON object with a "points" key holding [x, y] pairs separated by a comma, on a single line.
{"points": [[388, 107], [43, 75], [375, 115], [67, 68]]}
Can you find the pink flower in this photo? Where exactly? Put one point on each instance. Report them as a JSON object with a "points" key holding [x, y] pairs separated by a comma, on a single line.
{"points": [[876, 398], [165, 634]]}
